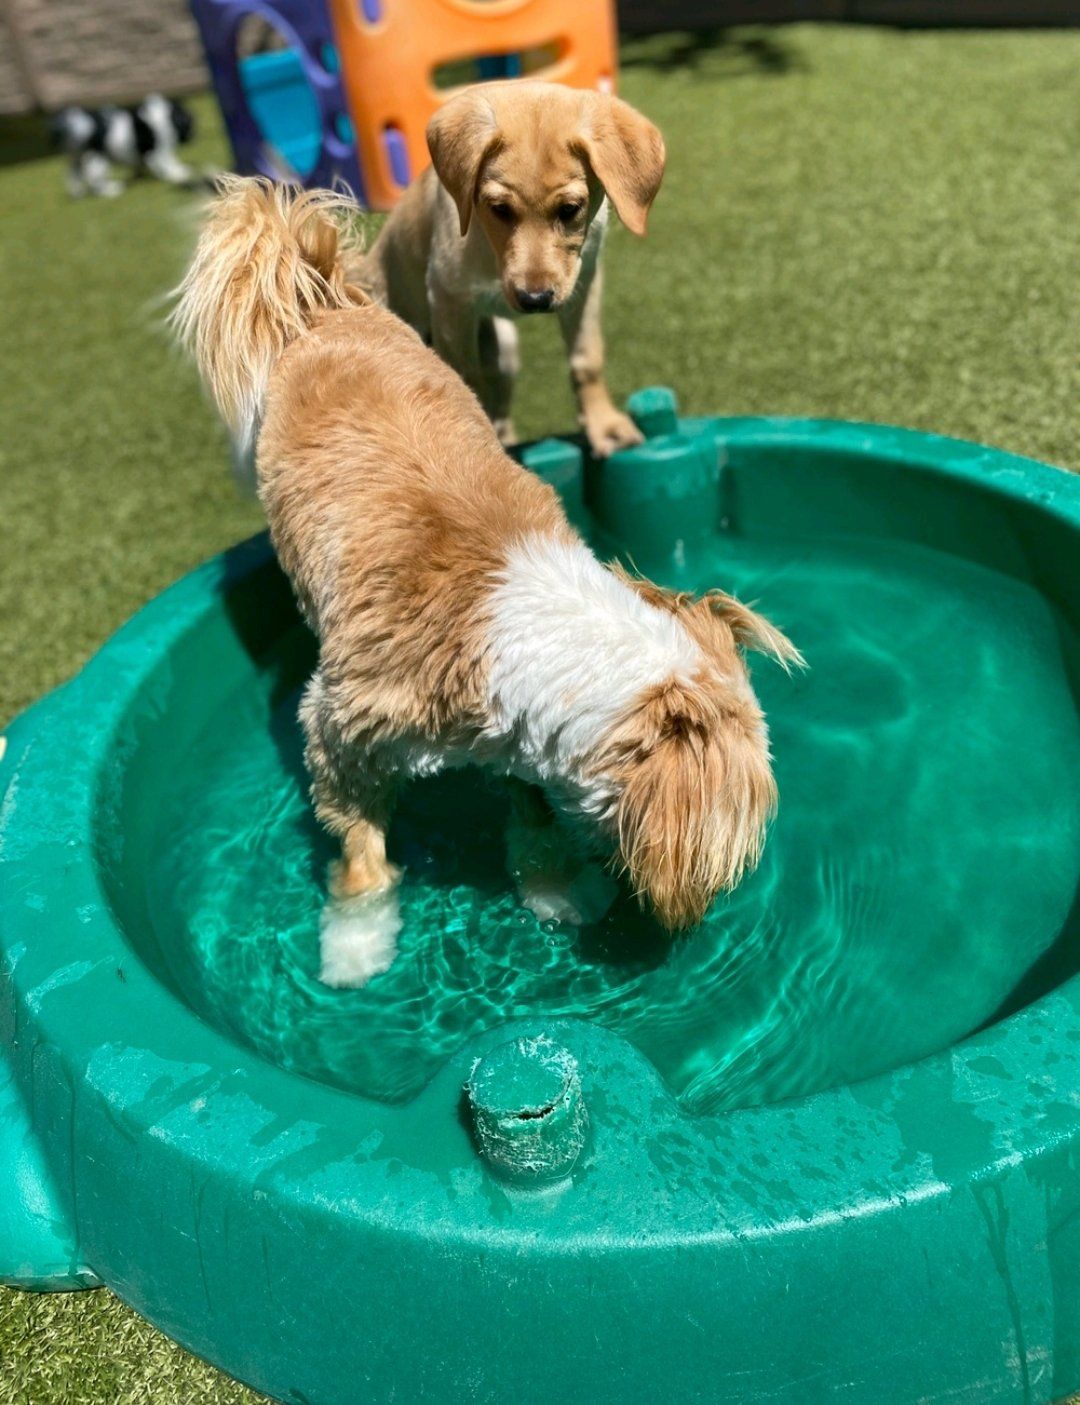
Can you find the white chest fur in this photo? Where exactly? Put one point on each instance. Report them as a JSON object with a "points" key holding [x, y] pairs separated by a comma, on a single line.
{"points": [[571, 649]]}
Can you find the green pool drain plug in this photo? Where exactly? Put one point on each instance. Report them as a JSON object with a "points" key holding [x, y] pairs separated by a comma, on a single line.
{"points": [[527, 1108]]}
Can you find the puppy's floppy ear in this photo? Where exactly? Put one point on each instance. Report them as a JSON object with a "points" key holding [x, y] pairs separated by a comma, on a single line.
{"points": [[626, 153], [753, 631], [461, 135]]}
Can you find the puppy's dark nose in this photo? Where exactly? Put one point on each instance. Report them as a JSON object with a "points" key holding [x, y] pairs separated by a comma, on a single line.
{"points": [[535, 302]]}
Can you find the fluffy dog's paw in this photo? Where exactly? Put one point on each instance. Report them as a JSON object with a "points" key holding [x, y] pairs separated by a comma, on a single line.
{"points": [[358, 938], [576, 901], [610, 431]]}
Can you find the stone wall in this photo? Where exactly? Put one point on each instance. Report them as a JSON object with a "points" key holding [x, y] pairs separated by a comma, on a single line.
{"points": [[92, 51]]}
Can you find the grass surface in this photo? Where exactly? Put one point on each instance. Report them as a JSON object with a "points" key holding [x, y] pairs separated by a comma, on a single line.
{"points": [[857, 223]]}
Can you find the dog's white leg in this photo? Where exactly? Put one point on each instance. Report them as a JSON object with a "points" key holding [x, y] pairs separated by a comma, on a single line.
{"points": [[358, 938], [553, 880], [96, 175], [167, 166], [91, 172], [606, 427]]}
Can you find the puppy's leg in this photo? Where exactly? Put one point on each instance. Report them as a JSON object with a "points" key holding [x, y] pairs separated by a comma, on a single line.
{"points": [[553, 881], [483, 351], [500, 360], [606, 428], [455, 336]]}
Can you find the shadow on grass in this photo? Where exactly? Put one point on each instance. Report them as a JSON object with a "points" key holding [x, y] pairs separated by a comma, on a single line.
{"points": [[719, 51], [24, 138]]}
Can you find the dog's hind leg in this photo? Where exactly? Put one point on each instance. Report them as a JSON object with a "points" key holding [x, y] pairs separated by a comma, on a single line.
{"points": [[358, 927], [364, 867], [354, 801], [500, 362]]}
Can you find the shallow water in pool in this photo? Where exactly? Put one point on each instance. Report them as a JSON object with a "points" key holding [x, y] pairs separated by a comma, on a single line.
{"points": [[915, 885]]}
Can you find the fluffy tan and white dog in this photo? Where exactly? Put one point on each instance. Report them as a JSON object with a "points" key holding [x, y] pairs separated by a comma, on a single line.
{"points": [[459, 617], [510, 219]]}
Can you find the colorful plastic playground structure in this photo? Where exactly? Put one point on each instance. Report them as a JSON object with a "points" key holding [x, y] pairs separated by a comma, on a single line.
{"points": [[348, 93]]}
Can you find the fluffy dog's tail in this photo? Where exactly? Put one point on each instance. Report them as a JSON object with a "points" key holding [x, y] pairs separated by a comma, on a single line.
{"points": [[268, 261]]}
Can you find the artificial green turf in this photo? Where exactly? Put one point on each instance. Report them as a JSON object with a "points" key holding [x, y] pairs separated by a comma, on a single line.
{"points": [[858, 223]]}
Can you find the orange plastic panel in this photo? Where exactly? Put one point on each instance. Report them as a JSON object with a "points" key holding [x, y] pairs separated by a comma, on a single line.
{"points": [[388, 66]]}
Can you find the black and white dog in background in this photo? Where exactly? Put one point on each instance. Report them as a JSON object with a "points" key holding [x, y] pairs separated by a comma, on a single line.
{"points": [[143, 138]]}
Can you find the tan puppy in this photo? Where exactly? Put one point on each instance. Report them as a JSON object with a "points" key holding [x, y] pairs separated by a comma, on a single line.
{"points": [[459, 616], [510, 219]]}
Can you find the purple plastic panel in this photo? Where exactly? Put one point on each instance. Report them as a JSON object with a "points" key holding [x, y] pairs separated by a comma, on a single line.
{"points": [[397, 153], [305, 26]]}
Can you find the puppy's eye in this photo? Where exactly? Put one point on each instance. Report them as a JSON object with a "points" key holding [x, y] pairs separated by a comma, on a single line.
{"points": [[502, 211], [568, 212]]}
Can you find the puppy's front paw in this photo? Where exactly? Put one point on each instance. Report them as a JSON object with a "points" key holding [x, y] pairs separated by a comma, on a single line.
{"points": [[611, 430], [358, 938], [505, 432], [576, 901]]}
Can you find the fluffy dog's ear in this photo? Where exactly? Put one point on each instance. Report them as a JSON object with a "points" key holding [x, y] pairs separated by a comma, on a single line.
{"points": [[626, 153], [670, 600], [753, 631], [749, 629], [461, 135]]}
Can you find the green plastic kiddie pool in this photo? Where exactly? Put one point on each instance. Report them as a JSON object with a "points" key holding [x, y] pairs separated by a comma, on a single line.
{"points": [[825, 1146]]}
